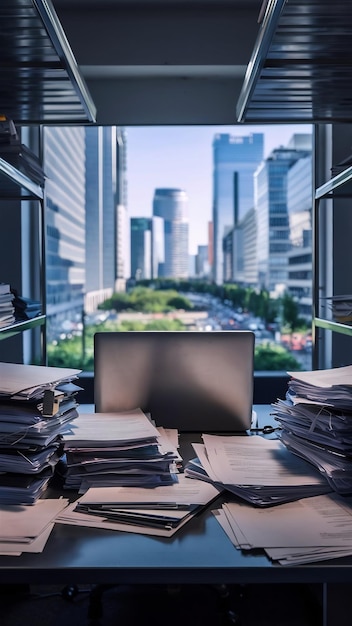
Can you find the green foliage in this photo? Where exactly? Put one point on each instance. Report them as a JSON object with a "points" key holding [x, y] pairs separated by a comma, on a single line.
{"points": [[147, 300], [161, 324], [78, 352], [180, 302], [162, 295], [290, 311], [69, 353], [270, 357], [256, 302]]}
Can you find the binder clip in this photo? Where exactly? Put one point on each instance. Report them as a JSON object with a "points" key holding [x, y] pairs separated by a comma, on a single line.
{"points": [[50, 403]]}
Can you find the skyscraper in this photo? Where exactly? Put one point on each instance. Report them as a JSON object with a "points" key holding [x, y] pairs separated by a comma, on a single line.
{"points": [[141, 248], [235, 160], [101, 176], [122, 226], [299, 205], [147, 247], [172, 206], [273, 229], [64, 166], [106, 193]]}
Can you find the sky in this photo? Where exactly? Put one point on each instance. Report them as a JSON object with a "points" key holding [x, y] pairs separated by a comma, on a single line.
{"points": [[181, 157]]}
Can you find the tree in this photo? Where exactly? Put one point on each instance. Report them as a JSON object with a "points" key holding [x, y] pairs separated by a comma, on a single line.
{"points": [[270, 357], [290, 311]]}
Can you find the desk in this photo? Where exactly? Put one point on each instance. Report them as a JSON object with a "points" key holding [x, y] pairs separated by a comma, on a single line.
{"points": [[200, 553]]}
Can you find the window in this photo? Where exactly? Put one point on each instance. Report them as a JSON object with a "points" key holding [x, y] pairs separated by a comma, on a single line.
{"points": [[188, 207]]}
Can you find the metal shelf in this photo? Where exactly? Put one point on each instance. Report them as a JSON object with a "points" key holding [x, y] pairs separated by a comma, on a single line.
{"points": [[334, 184], [19, 327], [300, 69], [39, 77], [339, 186], [334, 326], [12, 181], [16, 185]]}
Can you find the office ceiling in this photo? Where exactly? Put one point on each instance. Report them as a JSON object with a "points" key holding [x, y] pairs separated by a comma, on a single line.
{"points": [[164, 61], [177, 61], [134, 61]]}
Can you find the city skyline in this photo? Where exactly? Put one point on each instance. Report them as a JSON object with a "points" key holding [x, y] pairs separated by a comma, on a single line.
{"points": [[156, 157]]}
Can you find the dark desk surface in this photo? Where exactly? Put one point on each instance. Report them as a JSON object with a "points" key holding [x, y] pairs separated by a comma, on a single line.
{"points": [[199, 553]]}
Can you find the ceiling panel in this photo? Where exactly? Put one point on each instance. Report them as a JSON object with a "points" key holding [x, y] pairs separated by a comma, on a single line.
{"points": [[39, 78], [301, 66]]}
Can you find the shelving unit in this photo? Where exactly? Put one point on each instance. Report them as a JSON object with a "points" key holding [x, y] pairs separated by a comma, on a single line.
{"points": [[300, 68], [300, 72], [19, 327], [14, 185], [340, 186], [40, 83]]}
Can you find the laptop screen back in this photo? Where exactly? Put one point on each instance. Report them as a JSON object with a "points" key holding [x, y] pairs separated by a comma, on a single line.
{"points": [[193, 381]]}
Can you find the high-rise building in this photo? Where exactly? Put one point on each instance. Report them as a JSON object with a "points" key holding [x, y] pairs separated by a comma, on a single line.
{"points": [[64, 166], [172, 206], [106, 192], [158, 246], [240, 252], [141, 248], [122, 226], [271, 203], [147, 247], [101, 177], [235, 159], [299, 204], [202, 262]]}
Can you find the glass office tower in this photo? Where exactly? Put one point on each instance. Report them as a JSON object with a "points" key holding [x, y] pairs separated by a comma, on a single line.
{"points": [[172, 206], [106, 192], [299, 204], [273, 228], [64, 166], [122, 225], [101, 175], [147, 247], [101, 207], [141, 248], [235, 160]]}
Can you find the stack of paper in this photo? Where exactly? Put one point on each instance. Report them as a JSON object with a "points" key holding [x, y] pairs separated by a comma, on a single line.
{"points": [[341, 307], [261, 471], [118, 449], [35, 405], [160, 511], [27, 529], [25, 308], [7, 309], [312, 529], [316, 422]]}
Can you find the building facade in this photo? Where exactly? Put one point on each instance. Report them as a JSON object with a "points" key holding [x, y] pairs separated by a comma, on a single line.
{"points": [[101, 174], [64, 166], [271, 204], [106, 199], [147, 247], [172, 206], [141, 248], [299, 204], [235, 159], [122, 225]]}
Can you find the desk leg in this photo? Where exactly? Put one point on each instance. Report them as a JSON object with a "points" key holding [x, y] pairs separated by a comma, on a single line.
{"points": [[230, 601], [95, 609], [325, 604]]}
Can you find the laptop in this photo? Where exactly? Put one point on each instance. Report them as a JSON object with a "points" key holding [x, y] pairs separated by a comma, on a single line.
{"points": [[189, 380]]}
